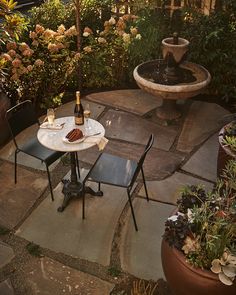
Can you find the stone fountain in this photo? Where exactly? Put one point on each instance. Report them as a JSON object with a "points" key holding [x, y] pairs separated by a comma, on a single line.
{"points": [[172, 78]]}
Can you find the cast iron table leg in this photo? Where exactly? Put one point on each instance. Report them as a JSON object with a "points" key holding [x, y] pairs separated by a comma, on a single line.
{"points": [[73, 187]]}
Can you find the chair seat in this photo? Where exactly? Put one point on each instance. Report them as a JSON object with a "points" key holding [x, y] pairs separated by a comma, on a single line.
{"points": [[34, 148], [113, 170]]}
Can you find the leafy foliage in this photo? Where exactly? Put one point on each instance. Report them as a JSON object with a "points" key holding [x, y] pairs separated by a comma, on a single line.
{"points": [[229, 136], [213, 45], [40, 69]]}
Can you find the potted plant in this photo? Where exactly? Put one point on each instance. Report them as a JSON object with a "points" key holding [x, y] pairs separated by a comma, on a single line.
{"points": [[227, 146], [199, 243]]}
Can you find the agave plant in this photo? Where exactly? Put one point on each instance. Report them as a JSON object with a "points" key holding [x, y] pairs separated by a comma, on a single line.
{"points": [[229, 136]]}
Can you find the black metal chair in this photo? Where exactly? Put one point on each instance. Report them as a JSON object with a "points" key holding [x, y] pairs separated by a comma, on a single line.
{"points": [[117, 171], [19, 118]]}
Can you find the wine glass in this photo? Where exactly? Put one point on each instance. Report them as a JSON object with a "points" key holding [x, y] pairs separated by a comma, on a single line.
{"points": [[50, 117], [87, 114]]}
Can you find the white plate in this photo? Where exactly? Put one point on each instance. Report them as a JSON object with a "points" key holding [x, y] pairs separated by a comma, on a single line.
{"points": [[46, 125], [64, 139]]}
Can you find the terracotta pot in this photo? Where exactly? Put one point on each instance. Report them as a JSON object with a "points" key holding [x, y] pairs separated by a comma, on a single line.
{"points": [[184, 279], [4, 106], [224, 154]]}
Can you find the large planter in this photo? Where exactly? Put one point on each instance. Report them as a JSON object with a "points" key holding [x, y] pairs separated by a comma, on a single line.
{"points": [[184, 279], [4, 106], [224, 154]]}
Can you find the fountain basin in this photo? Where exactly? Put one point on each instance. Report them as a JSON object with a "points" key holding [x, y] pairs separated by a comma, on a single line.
{"points": [[142, 75]]}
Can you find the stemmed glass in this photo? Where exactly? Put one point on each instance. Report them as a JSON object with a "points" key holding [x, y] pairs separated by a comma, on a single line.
{"points": [[87, 114], [50, 117]]}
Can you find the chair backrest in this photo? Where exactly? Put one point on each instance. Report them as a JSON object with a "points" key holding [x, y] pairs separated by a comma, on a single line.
{"points": [[142, 158], [21, 117]]}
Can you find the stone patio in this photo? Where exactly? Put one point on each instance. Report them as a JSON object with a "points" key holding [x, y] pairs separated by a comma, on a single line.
{"points": [[103, 250]]}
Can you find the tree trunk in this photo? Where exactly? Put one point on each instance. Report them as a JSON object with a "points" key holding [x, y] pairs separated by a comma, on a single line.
{"points": [[78, 28]]}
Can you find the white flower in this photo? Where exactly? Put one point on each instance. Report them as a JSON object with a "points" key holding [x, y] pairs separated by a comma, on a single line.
{"points": [[112, 21], [102, 40], [86, 34], [138, 36], [175, 217], [190, 215], [126, 38]]}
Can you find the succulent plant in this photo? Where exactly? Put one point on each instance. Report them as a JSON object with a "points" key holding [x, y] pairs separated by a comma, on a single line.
{"points": [[225, 267], [191, 196]]}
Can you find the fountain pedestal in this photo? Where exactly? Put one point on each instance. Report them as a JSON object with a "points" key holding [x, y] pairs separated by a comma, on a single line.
{"points": [[168, 110], [155, 77]]}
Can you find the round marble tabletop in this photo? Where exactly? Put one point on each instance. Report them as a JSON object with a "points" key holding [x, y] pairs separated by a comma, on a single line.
{"points": [[53, 139]]}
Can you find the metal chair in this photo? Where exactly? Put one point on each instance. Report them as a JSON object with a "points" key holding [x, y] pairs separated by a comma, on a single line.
{"points": [[19, 118], [117, 171]]}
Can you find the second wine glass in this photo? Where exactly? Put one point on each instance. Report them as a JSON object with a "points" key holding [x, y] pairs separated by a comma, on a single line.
{"points": [[87, 113]]}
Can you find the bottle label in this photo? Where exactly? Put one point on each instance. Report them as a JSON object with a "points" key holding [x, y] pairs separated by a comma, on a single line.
{"points": [[79, 120]]}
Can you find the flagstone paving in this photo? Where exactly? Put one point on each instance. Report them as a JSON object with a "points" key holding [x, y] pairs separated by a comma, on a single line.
{"points": [[141, 252], [90, 238], [168, 190], [202, 120], [184, 152], [135, 101], [123, 126], [6, 254], [47, 274], [203, 162], [6, 288], [17, 199]]}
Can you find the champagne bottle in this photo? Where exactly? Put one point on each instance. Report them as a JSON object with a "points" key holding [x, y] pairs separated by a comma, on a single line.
{"points": [[78, 111]]}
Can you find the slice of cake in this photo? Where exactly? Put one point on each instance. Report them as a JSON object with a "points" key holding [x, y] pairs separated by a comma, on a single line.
{"points": [[74, 134]]}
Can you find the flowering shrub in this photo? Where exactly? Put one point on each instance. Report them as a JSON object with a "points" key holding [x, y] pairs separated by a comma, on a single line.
{"points": [[204, 226], [40, 69], [105, 53]]}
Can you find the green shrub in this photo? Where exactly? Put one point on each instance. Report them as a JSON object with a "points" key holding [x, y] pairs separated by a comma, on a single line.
{"points": [[213, 45]]}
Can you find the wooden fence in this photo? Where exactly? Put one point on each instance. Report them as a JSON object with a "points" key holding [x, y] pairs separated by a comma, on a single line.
{"points": [[127, 6]]}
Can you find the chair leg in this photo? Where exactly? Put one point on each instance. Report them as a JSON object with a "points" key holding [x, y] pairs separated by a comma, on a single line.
{"points": [[77, 164], [144, 183], [132, 210], [99, 186], [15, 164], [50, 184]]}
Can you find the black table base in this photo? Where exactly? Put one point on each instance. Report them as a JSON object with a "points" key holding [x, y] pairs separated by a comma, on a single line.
{"points": [[74, 187]]}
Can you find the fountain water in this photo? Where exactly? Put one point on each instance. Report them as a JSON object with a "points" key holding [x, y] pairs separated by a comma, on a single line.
{"points": [[172, 78]]}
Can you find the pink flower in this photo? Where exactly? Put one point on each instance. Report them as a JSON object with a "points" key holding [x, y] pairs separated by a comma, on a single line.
{"points": [[23, 46], [15, 77], [39, 62], [61, 29], [16, 63], [6, 56], [35, 43], [30, 68], [133, 31], [88, 30], [71, 31], [32, 35], [11, 45], [39, 29], [48, 34], [52, 47], [12, 53], [28, 52], [77, 55]]}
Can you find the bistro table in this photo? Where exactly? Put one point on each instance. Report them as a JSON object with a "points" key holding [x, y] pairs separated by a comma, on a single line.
{"points": [[54, 139]]}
